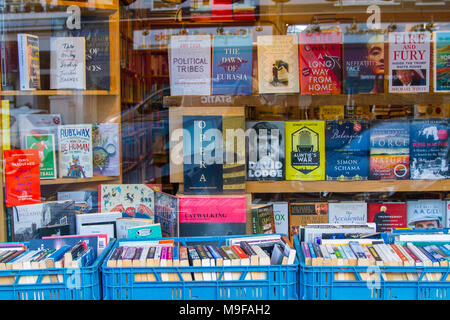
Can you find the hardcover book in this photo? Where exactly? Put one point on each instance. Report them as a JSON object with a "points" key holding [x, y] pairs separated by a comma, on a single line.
{"points": [[279, 72], [263, 220], [75, 151], [426, 214], [347, 150], [429, 149], [67, 63], [166, 213], [281, 215], [105, 152], [265, 155], [320, 63], [29, 68], [389, 150], [409, 62], [304, 213], [363, 63], [190, 65], [133, 200], [212, 215], [442, 65], [22, 185], [387, 215], [347, 212], [305, 150], [45, 144], [27, 220], [29, 124], [232, 64]]}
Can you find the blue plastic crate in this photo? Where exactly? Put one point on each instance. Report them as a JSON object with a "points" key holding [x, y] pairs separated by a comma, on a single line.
{"points": [[120, 284], [322, 283], [72, 283]]}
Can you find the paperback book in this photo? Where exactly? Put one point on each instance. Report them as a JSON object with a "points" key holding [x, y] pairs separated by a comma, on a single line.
{"points": [[387, 215], [281, 215], [166, 213], [105, 152], [145, 232], [441, 60], [85, 201], [426, 214], [45, 144], [347, 212], [29, 67], [30, 124], [304, 213], [98, 223], [263, 219]]}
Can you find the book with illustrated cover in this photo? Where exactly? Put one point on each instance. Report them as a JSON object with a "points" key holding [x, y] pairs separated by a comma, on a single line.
{"points": [[45, 144], [67, 63], [387, 215], [347, 212], [75, 151], [347, 150], [429, 149], [29, 67], [320, 63], [145, 232], [124, 224], [364, 65], [281, 215], [133, 200], [105, 152], [389, 150], [166, 213], [279, 73], [265, 155], [304, 213], [232, 64], [29, 124], [263, 219], [409, 62], [305, 150], [212, 215], [426, 214], [190, 65], [86, 201], [442, 61]]}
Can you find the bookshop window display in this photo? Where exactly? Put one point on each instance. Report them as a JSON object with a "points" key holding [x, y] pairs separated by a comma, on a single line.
{"points": [[152, 119]]}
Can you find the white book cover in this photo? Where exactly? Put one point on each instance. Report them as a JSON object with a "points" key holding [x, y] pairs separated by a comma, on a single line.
{"points": [[281, 214], [98, 223], [75, 151], [425, 214], [38, 124], [409, 62], [190, 65], [347, 212], [67, 63], [123, 224]]}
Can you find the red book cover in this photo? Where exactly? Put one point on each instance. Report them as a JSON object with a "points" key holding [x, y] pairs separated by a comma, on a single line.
{"points": [[387, 215], [22, 177], [222, 10], [320, 63]]}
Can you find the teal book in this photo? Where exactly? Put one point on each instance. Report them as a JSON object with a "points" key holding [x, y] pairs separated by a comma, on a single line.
{"points": [[145, 232]]}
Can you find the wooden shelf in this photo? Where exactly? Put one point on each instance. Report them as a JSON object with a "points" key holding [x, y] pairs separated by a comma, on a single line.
{"points": [[72, 180], [347, 186], [56, 93]]}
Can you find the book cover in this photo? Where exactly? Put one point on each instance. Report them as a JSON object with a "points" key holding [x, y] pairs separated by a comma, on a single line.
{"points": [[279, 73], [10, 68], [145, 232], [347, 212], [447, 223], [265, 150], [305, 150], [389, 150], [105, 152], [425, 214], [22, 185], [429, 149], [98, 223], [441, 61], [29, 67], [222, 10], [29, 124], [387, 215], [45, 144], [328, 112], [347, 150], [6, 125], [133, 200], [232, 64], [75, 151], [245, 10], [190, 65], [92, 241], [304, 213], [212, 215], [281, 215], [320, 63], [166, 213], [67, 63], [123, 224], [409, 62], [86, 201], [27, 220], [363, 63], [263, 220]]}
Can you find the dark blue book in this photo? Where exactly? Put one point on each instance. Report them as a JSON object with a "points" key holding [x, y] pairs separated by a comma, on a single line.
{"points": [[429, 150], [232, 64], [347, 150]]}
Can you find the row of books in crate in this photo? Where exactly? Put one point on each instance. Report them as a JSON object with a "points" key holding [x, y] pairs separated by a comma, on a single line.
{"points": [[308, 63]]}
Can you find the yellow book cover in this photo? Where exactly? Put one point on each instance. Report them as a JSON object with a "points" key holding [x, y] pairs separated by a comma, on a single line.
{"points": [[305, 150]]}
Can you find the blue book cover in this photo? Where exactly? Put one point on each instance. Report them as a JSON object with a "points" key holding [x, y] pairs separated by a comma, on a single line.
{"points": [[202, 155], [347, 150], [425, 214], [232, 64], [429, 151]]}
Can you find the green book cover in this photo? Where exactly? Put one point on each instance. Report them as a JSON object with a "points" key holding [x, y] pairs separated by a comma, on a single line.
{"points": [[45, 143], [145, 232]]}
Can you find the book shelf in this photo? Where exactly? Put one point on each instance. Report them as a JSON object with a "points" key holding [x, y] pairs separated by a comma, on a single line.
{"points": [[92, 106]]}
